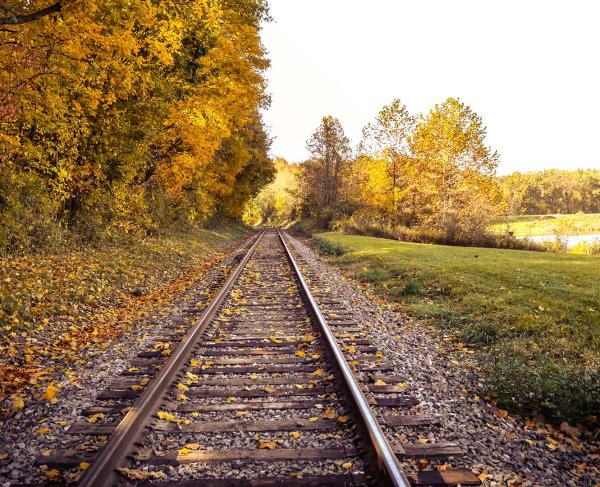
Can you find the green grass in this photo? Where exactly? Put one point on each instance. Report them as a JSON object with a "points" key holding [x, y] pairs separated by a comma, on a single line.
{"points": [[533, 316], [528, 225]]}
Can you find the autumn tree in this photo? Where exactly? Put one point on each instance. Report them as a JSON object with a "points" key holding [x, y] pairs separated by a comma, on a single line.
{"points": [[386, 143], [330, 151], [115, 108], [456, 167]]}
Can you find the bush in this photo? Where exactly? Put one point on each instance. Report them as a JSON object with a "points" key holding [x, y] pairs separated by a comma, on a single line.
{"points": [[28, 214], [413, 288], [329, 248]]}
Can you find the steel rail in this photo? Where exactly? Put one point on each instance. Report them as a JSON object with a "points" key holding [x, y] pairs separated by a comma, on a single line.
{"points": [[102, 471], [386, 460]]}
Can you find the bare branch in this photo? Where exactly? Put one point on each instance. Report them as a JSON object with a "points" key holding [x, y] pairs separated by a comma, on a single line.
{"points": [[23, 19]]}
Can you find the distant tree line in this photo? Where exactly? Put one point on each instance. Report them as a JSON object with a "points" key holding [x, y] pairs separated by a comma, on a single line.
{"points": [[552, 191], [123, 117]]}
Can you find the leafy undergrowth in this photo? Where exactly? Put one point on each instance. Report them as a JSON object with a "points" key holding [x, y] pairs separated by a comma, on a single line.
{"points": [[533, 318], [55, 308]]}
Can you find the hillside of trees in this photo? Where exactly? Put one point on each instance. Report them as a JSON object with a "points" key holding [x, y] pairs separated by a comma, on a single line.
{"points": [[123, 117]]}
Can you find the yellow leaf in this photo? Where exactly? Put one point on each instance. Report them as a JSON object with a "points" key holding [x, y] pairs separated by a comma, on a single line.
{"points": [[378, 355], [347, 465], [182, 397], [351, 349], [17, 404], [194, 362], [313, 419], [195, 414], [422, 441], [192, 377], [342, 419], [3, 455], [269, 389], [218, 340], [295, 434], [184, 451], [267, 444], [329, 413], [318, 372], [379, 382], [42, 431], [253, 377], [300, 353], [299, 386], [52, 475], [274, 339], [144, 381], [50, 394], [136, 387], [182, 387], [207, 364], [84, 465], [232, 399], [95, 417], [167, 416], [454, 362], [192, 446]]}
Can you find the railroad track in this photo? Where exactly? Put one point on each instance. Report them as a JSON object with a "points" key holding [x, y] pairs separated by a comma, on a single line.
{"points": [[262, 389]]}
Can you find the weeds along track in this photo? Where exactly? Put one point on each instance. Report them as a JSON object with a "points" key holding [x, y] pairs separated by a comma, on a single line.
{"points": [[261, 390]]}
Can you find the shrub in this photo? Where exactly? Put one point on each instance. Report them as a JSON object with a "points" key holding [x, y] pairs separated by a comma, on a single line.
{"points": [[28, 214], [413, 288], [329, 248]]}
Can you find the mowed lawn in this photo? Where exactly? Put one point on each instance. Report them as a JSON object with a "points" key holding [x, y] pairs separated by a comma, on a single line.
{"points": [[534, 316], [528, 225]]}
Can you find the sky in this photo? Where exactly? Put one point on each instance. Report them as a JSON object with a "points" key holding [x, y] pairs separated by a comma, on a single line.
{"points": [[529, 68]]}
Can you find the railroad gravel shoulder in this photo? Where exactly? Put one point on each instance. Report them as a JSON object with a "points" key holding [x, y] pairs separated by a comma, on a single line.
{"points": [[503, 449], [41, 427]]}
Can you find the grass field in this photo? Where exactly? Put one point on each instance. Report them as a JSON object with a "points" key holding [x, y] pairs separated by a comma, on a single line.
{"points": [[533, 316], [528, 225]]}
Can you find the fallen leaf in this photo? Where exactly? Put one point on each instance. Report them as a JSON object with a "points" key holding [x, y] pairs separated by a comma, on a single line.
{"points": [[422, 441], [167, 416], [342, 419], [136, 387], [295, 434], [50, 394], [329, 413], [17, 404], [192, 446], [42, 431], [182, 397], [184, 451], [52, 475], [84, 465], [195, 362], [379, 382], [300, 353], [133, 474], [347, 465], [182, 387], [267, 444], [95, 417]]}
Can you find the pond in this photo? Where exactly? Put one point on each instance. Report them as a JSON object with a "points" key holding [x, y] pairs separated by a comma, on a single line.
{"points": [[571, 240]]}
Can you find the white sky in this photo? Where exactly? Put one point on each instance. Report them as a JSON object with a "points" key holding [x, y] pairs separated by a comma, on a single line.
{"points": [[530, 68]]}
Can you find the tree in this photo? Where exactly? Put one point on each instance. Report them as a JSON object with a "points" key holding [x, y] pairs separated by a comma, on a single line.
{"points": [[457, 167], [330, 150], [387, 139]]}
